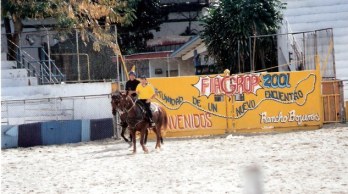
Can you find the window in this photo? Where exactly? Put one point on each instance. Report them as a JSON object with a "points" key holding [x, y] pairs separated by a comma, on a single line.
{"points": [[218, 98], [239, 97]]}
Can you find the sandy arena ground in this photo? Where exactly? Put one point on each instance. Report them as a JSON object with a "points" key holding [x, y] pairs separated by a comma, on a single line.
{"points": [[296, 162]]}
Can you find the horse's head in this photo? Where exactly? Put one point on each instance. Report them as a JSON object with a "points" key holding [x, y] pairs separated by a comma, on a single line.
{"points": [[126, 102], [115, 102]]}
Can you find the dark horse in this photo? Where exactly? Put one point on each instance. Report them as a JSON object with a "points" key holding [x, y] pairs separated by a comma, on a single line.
{"points": [[123, 118], [134, 115], [115, 102]]}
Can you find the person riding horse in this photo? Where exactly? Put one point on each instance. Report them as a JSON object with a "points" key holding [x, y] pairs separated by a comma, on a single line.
{"points": [[146, 93], [136, 121], [132, 84]]}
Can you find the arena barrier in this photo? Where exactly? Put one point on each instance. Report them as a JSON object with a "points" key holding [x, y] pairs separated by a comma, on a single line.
{"points": [[55, 132], [201, 105], [243, 103]]}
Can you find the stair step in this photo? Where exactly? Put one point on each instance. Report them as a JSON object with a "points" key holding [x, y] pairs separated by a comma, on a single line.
{"points": [[14, 73], [8, 64], [17, 82], [3, 56]]}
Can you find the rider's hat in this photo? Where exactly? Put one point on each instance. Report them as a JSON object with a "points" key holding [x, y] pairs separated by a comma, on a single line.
{"points": [[132, 73], [143, 77]]}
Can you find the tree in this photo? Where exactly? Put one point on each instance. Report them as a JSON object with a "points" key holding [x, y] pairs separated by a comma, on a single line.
{"points": [[149, 16], [92, 18], [229, 24]]}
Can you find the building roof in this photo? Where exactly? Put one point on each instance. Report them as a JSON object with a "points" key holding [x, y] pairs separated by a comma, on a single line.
{"points": [[186, 51], [148, 55]]}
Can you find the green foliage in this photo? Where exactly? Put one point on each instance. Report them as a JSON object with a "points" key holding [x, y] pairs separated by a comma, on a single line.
{"points": [[92, 18], [149, 16], [27, 9], [231, 22]]}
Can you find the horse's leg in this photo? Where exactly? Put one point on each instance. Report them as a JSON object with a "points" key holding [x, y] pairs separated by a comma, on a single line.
{"points": [[157, 131], [130, 139], [134, 141], [146, 134], [142, 137], [122, 134]]}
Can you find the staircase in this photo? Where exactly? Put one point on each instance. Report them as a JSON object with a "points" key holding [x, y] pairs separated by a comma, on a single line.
{"points": [[28, 73], [11, 76]]}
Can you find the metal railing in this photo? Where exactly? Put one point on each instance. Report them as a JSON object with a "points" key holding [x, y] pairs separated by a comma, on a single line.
{"points": [[297, 50], [55, 77], [46, 71], [49, 73]]}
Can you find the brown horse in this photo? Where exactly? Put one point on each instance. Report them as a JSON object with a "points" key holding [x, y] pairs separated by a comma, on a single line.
{"points": [[115, 108], [135, 119], [115, 103]]}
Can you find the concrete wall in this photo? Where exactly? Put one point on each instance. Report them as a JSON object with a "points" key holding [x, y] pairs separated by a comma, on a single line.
{"points": [[180, 67], [58, 90], [55, 102], [187, 68]]}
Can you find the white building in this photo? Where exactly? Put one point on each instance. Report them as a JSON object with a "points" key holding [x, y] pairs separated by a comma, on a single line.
{"points": [[307, 15]]}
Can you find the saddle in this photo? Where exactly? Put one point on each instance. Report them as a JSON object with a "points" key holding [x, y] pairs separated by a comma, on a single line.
{"points": [[141, 106], [153, 107]]}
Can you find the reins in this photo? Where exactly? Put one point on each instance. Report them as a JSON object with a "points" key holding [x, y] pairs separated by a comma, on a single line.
{"points": [[133, 105]]}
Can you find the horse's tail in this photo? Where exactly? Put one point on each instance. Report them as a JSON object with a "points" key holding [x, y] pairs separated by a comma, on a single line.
{"points": [[164, 118]]}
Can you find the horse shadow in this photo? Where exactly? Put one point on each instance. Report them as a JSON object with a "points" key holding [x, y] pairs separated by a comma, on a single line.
{"points": [[115, 155], [105, 150]]}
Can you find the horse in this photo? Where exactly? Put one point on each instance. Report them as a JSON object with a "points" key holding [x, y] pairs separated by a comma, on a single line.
{"points": [[135, 119], [123, 116], [115, 107]]}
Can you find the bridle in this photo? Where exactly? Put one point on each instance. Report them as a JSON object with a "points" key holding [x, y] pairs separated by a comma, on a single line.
{"points": [[125, 109]]}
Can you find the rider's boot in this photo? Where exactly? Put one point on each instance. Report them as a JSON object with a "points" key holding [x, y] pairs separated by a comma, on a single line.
{"points": [[152, 124]]}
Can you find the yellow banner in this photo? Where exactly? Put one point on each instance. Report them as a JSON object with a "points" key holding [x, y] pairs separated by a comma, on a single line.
{"points": [[240, 103]]}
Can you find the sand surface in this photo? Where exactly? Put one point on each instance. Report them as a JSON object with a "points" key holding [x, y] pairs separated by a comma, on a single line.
{"points": [[297, 162]]}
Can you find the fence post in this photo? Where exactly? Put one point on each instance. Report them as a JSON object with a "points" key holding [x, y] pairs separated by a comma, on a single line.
{"points": [[304, 51], [333, 52], [49, 56], [342, 109], [78, 56], [250, 58], [115, 125]]}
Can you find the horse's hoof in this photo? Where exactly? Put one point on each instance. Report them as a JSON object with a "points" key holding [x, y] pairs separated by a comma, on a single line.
{"points": [[146, 151]]}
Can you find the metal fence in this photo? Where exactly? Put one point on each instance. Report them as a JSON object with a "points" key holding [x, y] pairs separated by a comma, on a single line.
{"points": [[297, 50], [54, 53]]}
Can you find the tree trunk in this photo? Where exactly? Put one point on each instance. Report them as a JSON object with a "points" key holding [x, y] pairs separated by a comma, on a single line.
{"points": [[11, 54], [18, 28], [13, 38]]}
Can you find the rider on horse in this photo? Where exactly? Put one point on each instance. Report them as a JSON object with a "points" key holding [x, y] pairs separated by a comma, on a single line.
{"points": [[146, 93], [132, 84]]}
